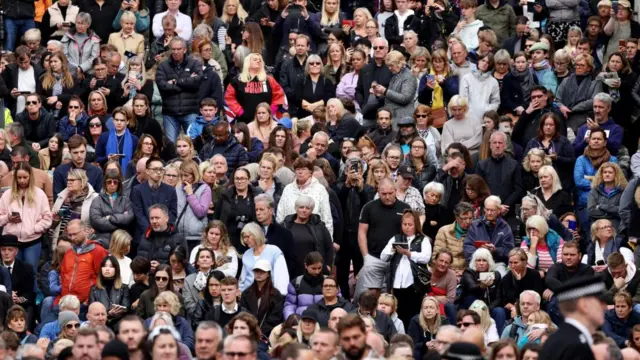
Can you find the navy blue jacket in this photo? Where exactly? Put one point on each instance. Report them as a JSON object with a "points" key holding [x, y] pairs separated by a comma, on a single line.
{"points": [[619, 329], [211, 86], [94, 174], [142, 197], [235, 153]]}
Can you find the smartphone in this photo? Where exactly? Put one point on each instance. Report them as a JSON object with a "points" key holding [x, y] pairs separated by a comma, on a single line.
{"points": [[354, 166], [573, 225], [129, 54], [99, 83], [431, 77], [600, 262], [66, 24], [614, 6], [401, 244], [479, 244], [374, 83]]}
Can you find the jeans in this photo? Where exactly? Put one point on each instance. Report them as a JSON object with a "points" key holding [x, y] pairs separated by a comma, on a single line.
{"points": [[31, 256], [14, 29], [46, 313], [172, 125], [499, 315]]}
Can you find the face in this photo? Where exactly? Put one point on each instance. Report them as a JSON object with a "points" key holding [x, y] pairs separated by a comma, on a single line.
{"points": [[120, 122], [570, 257], [158, 220], [96, 102], [281, 138], [108, 270], [410, 41], [229, 293], [482, 265], [622, 309], [70, 329], [17, 324], [387, 194], [408, 225], [203, 8], [546, 181], [205, 261], [528, 304], [139, 107], [55, 63], [86, 348], [207, 341], [515, 263], [131, 333], [582, 67], [162, 281], [74, 184], [176, 265], [221, 134], [177, 50], [535, 162], [23, 179], [171, 177], [97, 315], [530, 355], [303, 212], [353, 343], [155, 171], [241, 328], [183, 148], [127, 26], [165, 347], [301, 46], [615, 63], [507, 353], [380, 50], [335, 53], [393, 158], [432, 198], [601, 111], [458, 112], [429, 309], [324, 346], [173, 5], [458, 54], [631, 49], [608, 175], [483, 64], [442, 263], [384, 119], [249, 241], [497, 145], [33, 104], [262, 115], [215, 290], [597, 141]]}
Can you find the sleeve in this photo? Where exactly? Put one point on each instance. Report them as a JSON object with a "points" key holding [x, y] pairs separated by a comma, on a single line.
{"points": [[388, 251], [290, 301], [156, 27], [578, 175], [424, 255], [614, 141], [278, 96], [45, 217], [232, 102], [451, 289], [440, 241], [97, 220], [125, 218], [494, 100], [190, 295], [138, 209], [5, 208], [243, 283], [231, 268], [116, 22], [608, 330], [142, 23], [468, 246], [281, 275], [447, 139], [325, 211], [416, 335], [54, 282], [200, 206]]}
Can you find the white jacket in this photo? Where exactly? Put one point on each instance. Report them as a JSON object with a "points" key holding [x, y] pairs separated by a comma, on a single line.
{"points": [[316, 191], [483, 92], [469, 34]]}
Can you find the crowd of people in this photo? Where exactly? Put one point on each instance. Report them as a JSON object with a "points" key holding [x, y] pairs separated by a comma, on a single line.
{"points": [[317, 179]]}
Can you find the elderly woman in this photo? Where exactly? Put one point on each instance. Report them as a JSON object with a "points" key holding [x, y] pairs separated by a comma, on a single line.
{"points": [[172, 176], [532, 205], [518, 279], [309, 232], [603, 242], [253, 238], [621, 322], [511, 95], [110, 210], [141, 13], [127, 41], [74, 202], [400, 93], [551, 193], [482, 282], [195, 284], [531, 164], [426, 129], [575, 94], [452, 236], [169, 302], [315, 90], [606, 192], [243, 104], [461, 128], [543, 245], [341, 124], [80, 53], [404, 250], [33, 39], [437, 215], [58, 19]]}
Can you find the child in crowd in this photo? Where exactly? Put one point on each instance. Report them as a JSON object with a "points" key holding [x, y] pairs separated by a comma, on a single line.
{"points": [[387, 303], [538, 323], [573, 37]]}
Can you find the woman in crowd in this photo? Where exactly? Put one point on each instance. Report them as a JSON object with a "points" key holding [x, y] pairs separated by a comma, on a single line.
{"points": [[531, 206], [620, 321], [56, 85], [487, 324], [169, 302], [438, 87], [606, 192], [419, 60], [360, 18], [247, 324], [409, 194], [234, 17], [195, 284], [301, 132], [550, 192], [262, 298], [253, 238], [142, 16], [575, 94], [80, 54], [110, 291], [164, 343], [244, 104], [481, 89], [136, 82], [135, 42], [147, 147], [621, 91], [253, 146], [119, 247], [266, 181], [368, 148], [306, 289], [336, 65], [315, 90], [74, 202], [208, 171], [95, 128], [215, 237], [518, 279], [531, 164], [97, 106], [524, 74], [75, 122], [111, 209], [95, 83], [194, 198], [400, 94], [425, 325], [24, 206], [504, 349], [603, 242], [328, 19], [543, 245], [309, 232], [377, 170], [172, 176], [236, 206], [118, 143], [281, 138], [263, 123], [185, 150], [205, 13], [437, 215], [51, 156], [388, 304], [420, 159], [424, 125], [403, 258], [553, 143], [340, 123], [486, 289], [475, 192], [511, 96], [161, 282], [69, 325], [461, 128], [211, 297], [347, 86], [180, 267], [58, 19], [595, 154]]}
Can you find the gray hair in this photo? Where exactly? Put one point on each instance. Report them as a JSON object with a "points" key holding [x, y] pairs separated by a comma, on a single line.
{"points": [[57, 44], [535, 201], [305, 200], [203, 30], [161, 207], [16, 129], [315, 58], [603, 97], [84, 17], [320, 134], [409, 32], [27, 350], [535, 295], [206, 325], [385, 41], [33, 35], [238, 57], [433, 187], [105, 329], [266, 198], [502, 56], [69, 302], [451, 328], [463, 207], [255, 230], [492, 199], [485, 254], [180, 40], [496, 133], [161, 315]]}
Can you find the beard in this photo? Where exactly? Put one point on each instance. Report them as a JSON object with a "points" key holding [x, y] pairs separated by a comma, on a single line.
{"points": [[354, 353]]}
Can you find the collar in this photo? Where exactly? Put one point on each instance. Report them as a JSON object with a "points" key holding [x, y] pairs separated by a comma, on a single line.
{"points": [[9, 265], [585, 335], [226, 311], [125, 36]]}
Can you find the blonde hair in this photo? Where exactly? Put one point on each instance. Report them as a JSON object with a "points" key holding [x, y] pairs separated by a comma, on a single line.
{"points": [[541, 317], [389, 299], [187, 139], [136, 60], [548, 170], [620, 181], [433, 325], [254, 230], [240, 11], [30, 196], [79, 174], [128, 15], [120, 243], [170, 298], [245, 76], [326, 20], [546, 159], [395, 57], [482, 309], [373, 165], [270, 158], [365, 12], [594, 229], [224, 245], [539, 223], [458, 100], [191, 166]]}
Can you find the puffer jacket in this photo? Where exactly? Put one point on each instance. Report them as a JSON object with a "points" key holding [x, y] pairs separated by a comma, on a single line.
{"points": [[79, 270], [619, 329], [500, 236], [583, 186], [120, 213], [68, 130], [446, 239], [81, 55], [400, 95], [605, 206], [470, 287], [107, 298], [301, 294], [181, 98], [501, 19], [578, 98], [563, 10], [159, 245], [19, 9], [323, 311], [192, 211], [271, 314], [324, 244], [232, 150]]}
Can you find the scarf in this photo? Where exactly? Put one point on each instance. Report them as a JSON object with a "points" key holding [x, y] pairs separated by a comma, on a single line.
{"points": [[597, 157], [526, 81], [201, 280], [544, 64], [102, 112], [313, 281], [460, 232], [75, 201], [114, 148]]}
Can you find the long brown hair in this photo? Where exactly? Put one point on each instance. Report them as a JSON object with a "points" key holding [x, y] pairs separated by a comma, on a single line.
{"points": [[477, 184], [49, 80], [30, 192], [137, 155], [255, 42], [288, 145], [207, 19]]}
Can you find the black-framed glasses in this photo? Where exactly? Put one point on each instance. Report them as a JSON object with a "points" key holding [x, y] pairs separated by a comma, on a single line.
{"points": [[111, 181], [379, 47], [32, 103], [74, 107], [465, 324], [420, 116]]}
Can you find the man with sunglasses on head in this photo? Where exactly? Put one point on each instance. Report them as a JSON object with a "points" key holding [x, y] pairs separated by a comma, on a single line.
{"points": [[374, 73]]}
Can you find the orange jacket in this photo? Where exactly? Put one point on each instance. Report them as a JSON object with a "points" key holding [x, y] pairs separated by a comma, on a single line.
{"points": [[41, 7], [79, 270]]}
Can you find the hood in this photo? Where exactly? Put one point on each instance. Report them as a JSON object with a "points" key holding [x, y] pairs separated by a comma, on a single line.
{"points": [[200, 120], [614, 192], [481, 76]]}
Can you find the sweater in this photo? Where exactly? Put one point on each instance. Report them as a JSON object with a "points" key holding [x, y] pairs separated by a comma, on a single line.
{"points": [[467, 131], [483, 92], [279, 273], [316, 191]]}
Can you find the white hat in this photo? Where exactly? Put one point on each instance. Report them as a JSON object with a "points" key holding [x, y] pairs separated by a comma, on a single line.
{"points": [[263, 265]]}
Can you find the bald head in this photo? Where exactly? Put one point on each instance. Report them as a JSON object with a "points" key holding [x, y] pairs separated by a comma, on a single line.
{"points": [[474, 336], [376, 342], [97, 314], [630, 354], [334, 317], [141, 165], [76, 232]]}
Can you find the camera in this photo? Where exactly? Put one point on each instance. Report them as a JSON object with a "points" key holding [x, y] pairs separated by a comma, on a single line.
{"points": [[241, 220]]}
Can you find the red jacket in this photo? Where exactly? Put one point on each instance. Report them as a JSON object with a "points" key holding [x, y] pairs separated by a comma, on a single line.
{"points": [[79, 270], [242, 98]]}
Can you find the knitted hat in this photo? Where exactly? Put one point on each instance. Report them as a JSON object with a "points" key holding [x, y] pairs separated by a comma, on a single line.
{"points": [[117, 349], [605, 3], [539, 46], [66, 317]]}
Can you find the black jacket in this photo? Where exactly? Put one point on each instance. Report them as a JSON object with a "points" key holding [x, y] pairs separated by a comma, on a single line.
{"points": [[528, 124], [324, 244], [271, 316], [432, 28], [558, 275], [10, 77], [471, 287], [439, 215], [324, 90], [510, 44], [365, 79], [425, 176], [22, 280], [150, 126], [159, 245], [392, 28], [511, 288], [352, 200], [19, 9], [511, 95], [323, 311], [101, 17], [291, 75], [228, 210], [384, 324], [281, 237], [37, 130], [183, 97], [211, 86], [503, 176], [420, 337], [381, 137], [347, 127], [453, 188], [113, 83]]}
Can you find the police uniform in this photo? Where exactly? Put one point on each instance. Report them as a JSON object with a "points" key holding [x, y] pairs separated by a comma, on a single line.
{"points": [[573, 340]]}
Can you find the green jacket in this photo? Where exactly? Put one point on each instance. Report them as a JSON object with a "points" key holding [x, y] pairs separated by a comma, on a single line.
{"points": [[502, 20]]}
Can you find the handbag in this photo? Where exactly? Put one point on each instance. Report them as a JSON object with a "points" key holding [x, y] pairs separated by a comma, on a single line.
{"points": [[421, 277]]}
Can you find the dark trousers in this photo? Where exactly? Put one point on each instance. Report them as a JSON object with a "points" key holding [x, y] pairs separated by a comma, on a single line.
{"points": [[409, 303], [348, 252]]}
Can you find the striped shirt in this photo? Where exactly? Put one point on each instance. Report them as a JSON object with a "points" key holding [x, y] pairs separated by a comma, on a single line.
{"points": [[544, 260]]}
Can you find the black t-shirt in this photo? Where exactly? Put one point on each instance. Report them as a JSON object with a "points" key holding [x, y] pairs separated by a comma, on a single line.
{"points": [[384, 222]]}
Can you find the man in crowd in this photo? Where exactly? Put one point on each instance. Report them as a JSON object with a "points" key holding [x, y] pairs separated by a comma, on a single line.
{"points": [[459, 59], [131, 331], [183, 22], [447, 335], [527, 126], [85, 345], [22, 276], [325, 344], [601, 108], [620, 276], [15, 134], [160, 238], [367, 306], [353, 333], [41, 179], [318, 150], [516, 43], [77, 145], [334, 318], [330, 302], [229, 307], [276, 234], [96, 315], [500, 17], [452, 236], [375, 72], [529, 302], [39, 124], [208, 337], [392, 156], [138, 178], [225, 144], [292, 72], [20, 78], [383, 133]]}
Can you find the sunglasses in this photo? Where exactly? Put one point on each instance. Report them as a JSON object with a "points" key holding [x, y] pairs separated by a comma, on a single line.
{"points": [[111, 182], [95, 125], [74, 107], [420, 116], [162, 278], [314, 63], [72, 326], [32, 103], [379, 47], [465, 324]]}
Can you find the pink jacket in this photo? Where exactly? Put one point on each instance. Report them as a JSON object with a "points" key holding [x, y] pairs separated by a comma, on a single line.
{"points": [[36, 218]]}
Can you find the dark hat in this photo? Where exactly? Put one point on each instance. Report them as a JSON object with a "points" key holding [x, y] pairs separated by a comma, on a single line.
{"points": [[309, 315], [117, 349], [407, 171], [9, 240], [406, 121], [463, 351], [582, 286]]}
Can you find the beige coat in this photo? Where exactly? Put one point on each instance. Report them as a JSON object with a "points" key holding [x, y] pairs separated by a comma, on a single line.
{"points": [[446, 239], [133, 42]]}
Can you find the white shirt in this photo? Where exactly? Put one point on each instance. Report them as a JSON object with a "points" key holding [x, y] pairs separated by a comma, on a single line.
{"points": [[26, 82], [229, 269], [183, 25], [125, 271], [404, 277], [232, 311]]}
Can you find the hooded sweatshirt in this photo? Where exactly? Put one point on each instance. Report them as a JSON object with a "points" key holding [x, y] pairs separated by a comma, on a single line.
{"points": [[196, 127], [469, 34], [483, 92]]}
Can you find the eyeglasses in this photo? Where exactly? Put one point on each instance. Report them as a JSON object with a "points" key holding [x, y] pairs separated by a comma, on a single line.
{"points": [[32, 103], [157, 170], [606, 227], [241, 179], [349, 139], [95, 125], [379, 47], [162, 278], [420, 116], [71, 180], [74, 107], [233, 354], [314, 63], [328, 286], [111, 182], [171, 176], [465, 324], [72, 326]]}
